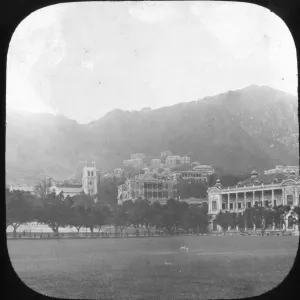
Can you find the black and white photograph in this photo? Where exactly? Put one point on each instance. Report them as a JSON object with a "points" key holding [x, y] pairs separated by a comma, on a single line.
{"points": [[152, 150]]}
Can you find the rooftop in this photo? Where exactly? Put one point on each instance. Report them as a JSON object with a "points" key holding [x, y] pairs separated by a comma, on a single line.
{"points": [[265, 179]]}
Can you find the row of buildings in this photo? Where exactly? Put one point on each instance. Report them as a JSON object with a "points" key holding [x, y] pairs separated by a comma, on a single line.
{"points": [[166, 159], [272, 188]]}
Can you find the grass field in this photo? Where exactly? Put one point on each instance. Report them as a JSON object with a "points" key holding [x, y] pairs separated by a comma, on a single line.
{"points": [[154, 268]]}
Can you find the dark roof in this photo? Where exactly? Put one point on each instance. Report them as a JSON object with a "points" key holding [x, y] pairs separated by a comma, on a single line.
{"points": [[265, 179]]}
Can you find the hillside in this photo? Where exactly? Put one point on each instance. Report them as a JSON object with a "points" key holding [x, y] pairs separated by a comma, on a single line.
{"points": [[256, 127]]}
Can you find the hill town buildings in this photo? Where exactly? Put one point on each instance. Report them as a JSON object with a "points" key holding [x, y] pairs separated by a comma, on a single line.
{"points": [[284, 170]]}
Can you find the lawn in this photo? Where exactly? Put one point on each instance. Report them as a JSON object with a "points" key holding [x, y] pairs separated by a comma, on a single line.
{"points": [[154, 268]]}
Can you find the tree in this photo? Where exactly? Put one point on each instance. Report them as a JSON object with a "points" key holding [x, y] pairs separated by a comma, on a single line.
{"points": [[154, 215], [75, 219], [19, 209], [196, 218], [86, 206], [138, 213], [297, 215], [225, 219], [54, 212], [172, 213], [42, 189], [102, 215], [120, 218], [107, 191]]}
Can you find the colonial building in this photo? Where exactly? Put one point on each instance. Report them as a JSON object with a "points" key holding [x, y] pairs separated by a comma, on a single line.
{"points": [[147, 186], [72, 188], [266, 190]]}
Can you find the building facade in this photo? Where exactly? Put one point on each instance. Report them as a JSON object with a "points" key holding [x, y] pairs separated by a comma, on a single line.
{"points": [[138, 155], [155, 162], [146, 186], [270, 190], [173, 160], [67, 190], [90, 179], [193, 175], [135, 162], [118, 172], [185, 160]]}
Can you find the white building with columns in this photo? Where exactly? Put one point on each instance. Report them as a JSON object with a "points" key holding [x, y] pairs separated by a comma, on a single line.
{"points": [[269, 190]]}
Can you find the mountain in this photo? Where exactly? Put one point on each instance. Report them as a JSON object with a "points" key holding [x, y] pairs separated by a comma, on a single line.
{"points": [[255, 127]]}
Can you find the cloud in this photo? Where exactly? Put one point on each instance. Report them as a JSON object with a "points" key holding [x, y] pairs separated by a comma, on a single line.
{"points": [[153, 12]]}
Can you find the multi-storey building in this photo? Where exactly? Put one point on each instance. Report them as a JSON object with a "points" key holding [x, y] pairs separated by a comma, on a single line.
{"points": [[146, 186], [155, 162], [282, 169], [173, 160], [138, 155], [193, 175], [118, 172], [266, 190], [204, 169], [185, 160], [135, 162]]}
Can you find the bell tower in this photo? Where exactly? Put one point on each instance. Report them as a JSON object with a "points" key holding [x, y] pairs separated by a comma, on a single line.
{"points": [[89, 178]]}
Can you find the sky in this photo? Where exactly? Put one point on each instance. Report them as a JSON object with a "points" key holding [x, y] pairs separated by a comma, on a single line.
{"points": [[83, 60]]}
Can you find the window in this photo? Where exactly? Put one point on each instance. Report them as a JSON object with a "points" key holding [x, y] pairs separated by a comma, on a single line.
{"points": [[290, 200], [88, 173], [239, 205], [248, 204], [92, 173], [231, 205], [223, 205], [214, 205], [274, 202]]}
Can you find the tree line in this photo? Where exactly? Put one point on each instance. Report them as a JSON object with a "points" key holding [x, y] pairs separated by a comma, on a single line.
{"points": [[259, 217], [81, 211]]}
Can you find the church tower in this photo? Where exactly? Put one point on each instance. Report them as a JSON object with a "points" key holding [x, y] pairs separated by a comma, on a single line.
{"points": [[90, 179]]}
